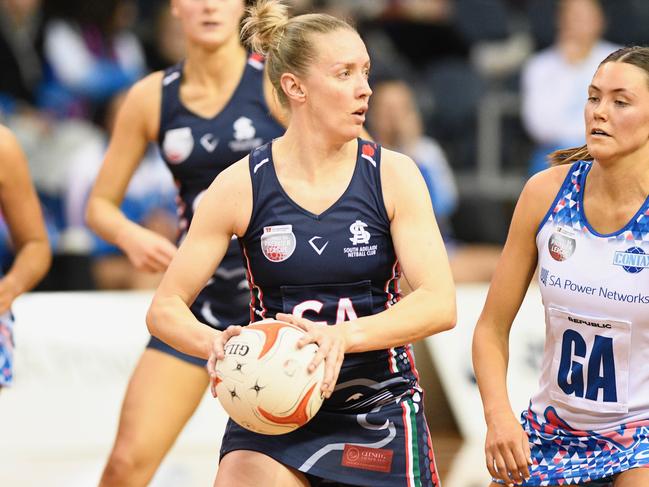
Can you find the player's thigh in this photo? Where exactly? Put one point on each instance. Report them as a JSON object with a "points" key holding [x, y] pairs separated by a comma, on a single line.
{"points": [[636, 477], [162, 394], [245, 468]]}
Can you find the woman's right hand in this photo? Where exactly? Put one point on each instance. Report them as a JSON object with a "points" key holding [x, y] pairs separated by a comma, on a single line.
{"points": [[147, 250], [507, 449], [218, 352]]}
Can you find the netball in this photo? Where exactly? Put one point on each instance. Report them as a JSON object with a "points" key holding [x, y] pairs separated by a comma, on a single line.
{"points": [[263, 382]]}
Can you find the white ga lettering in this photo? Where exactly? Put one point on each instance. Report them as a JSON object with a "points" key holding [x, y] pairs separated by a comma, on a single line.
{"points": [[345, 311], [310, 305]]}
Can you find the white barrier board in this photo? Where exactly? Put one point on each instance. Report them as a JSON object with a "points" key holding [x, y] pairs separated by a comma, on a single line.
{"points": [[451, 353], [74, 355]]}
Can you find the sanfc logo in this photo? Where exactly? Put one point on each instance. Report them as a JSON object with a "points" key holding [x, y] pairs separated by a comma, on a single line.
{"points": [[360, 235]]}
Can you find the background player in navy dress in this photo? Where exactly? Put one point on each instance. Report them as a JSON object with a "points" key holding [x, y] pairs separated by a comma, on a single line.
{"points": [[584, 224], [205, 113], [326, 220], [22, 215]]}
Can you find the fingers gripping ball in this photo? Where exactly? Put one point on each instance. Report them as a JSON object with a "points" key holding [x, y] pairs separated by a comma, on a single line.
{"points": [[263, 383]]}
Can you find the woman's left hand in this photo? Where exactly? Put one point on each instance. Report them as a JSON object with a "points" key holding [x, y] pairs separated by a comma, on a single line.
{"points": [[331, 341], [218, 352]]}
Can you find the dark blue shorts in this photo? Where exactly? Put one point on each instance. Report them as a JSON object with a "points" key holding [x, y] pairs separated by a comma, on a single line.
{"points": [[372, 432]]}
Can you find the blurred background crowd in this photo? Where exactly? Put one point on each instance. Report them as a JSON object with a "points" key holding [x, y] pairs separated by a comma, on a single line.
{"points": [[477, 92]]}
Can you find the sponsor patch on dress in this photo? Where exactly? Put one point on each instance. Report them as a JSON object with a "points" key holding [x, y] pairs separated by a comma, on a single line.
{"points": [[278, 242], [375, 459], [561, 246]]}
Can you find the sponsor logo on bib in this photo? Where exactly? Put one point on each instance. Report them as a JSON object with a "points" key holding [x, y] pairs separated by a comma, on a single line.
{"points": [[375, 459], [561, 246], [632, 260], [178, 144], [278, 242]]}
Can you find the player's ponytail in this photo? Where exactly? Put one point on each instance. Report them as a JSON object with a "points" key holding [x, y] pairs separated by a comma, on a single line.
{"points": [[264, 26], [284, 41], [568, 156]]}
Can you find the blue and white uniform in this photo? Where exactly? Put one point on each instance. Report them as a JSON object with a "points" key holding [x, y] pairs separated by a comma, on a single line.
{"points": [[196, 149], [334, 267], [6, 349], [589, 419]]}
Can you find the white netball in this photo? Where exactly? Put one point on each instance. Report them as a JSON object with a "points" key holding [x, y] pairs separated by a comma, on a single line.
{"points": [[263, 382]]}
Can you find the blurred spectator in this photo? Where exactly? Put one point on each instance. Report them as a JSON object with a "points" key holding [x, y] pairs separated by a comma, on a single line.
{"points": [[21, 54], [165, 46], [149, 201], [555, 81], [92, 53], [420, 32], [23, 78], [396, 124], [428, 43]]}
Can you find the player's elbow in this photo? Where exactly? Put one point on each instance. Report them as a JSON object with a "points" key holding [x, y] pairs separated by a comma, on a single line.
{"points": [[90, 213], [153, 317], [449, 319], [445, 316]]}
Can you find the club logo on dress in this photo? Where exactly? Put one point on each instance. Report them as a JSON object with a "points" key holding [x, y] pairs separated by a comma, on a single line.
{"points": [[360, 240], [633, 260], [244, 135], [359, 234], [561, 246], [278, 242], [178, 144], [243, 128]]}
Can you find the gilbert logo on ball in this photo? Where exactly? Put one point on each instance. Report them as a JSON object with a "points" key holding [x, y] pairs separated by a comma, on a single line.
{"points": [[263, 382]]}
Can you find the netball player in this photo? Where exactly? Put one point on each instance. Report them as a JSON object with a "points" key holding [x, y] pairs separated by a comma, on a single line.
{"points": [[21, 213], [204, 113], [585, 224], [326, 221]]}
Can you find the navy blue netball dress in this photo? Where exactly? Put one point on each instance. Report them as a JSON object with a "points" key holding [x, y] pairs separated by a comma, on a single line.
{"points": [[334, 267], [196, 150]]}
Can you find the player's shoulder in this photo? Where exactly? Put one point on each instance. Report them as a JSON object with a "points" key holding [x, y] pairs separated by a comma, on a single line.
{"points": [[231, 192], [398, 172], [9, 144], [547, 183], [396, 164], [235, 178], [141, 107], [401, 182], [541, 189], [6, 136], [146, 92]]}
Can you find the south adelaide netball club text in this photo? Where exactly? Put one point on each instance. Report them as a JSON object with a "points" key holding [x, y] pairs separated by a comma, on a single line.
{"points": [[602, 291]]}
